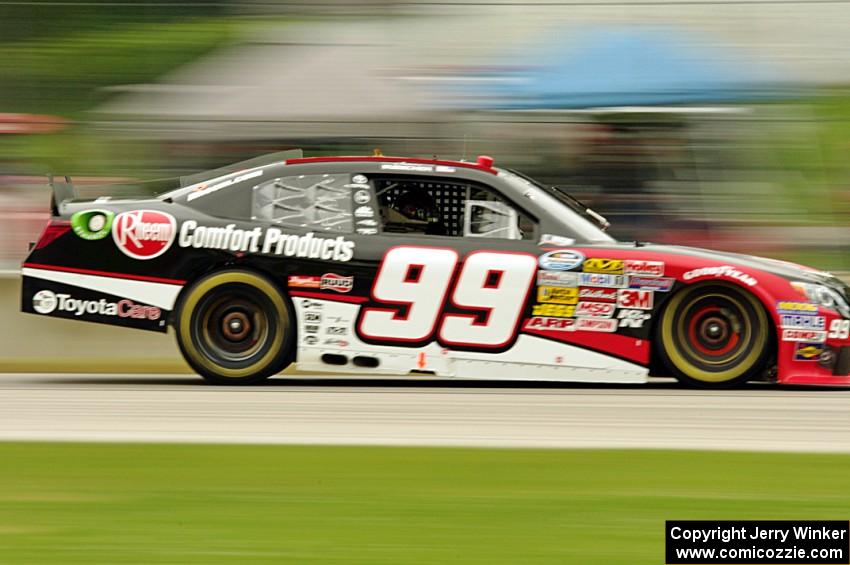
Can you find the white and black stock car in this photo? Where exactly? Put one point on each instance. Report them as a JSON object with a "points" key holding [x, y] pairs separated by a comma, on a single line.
{"points": [[390, 265]]}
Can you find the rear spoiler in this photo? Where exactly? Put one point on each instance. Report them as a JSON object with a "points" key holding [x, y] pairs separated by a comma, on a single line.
{"points": [[60, 192]]}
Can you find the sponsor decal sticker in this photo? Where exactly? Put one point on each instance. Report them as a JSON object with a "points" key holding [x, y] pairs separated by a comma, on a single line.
{"points": [[803, 308], [311, 328], [144, 234], [338, 283], [362, 197], [633, 298], [336, 330], [557, 278], [597, 294], [610, 281], [408, 167], [312, 305], [303, 281], [364, 212], [203, 189], [557, 294], [647, 283], [555, 310], [367, 231], [92, 224], [804, 335], [553, 324], [367, 223], [313, 317], [726, 271], [643, 268], [337, 342], [556, 240], [561, 260], [359, 179], [596, 325], [632, 318], [607, 266], [808, 351], [595, 310], [46, 301], [311, 340], [803, 322], [268, 241]]}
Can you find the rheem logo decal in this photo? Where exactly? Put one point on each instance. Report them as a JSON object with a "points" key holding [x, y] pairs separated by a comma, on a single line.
{"points": [[144, 234]]}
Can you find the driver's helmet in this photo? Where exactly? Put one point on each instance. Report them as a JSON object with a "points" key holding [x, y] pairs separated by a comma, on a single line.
{"points": [[416, 205]]}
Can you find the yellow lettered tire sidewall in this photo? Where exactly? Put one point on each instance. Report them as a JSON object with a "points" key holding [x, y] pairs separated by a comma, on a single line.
{"points": [[759, 331], [197, 292]]}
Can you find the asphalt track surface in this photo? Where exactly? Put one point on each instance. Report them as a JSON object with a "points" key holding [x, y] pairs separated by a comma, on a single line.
{"points": [[306, 409]]}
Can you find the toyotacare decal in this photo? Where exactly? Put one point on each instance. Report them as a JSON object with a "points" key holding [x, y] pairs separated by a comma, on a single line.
{"points": [[265, 240], [725, 272], [643, 268], [144, 234], [561, 260], [604, 266], [46, 302], [557, 294], [92, 224]]}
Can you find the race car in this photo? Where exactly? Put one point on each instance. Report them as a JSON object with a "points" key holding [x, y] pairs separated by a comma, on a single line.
{"points": [[395, 265]]}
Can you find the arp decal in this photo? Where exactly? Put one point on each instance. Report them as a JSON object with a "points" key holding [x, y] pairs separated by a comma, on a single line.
{"points": [[605, 266], [723, 272], [643, 268], [92, 224], [552, 324], [808, 351], [633, 298], [561, 260], [144, 234], [557, 295]]}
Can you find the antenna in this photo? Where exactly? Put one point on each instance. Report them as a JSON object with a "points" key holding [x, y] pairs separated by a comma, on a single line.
{"points": [[464, 148]]}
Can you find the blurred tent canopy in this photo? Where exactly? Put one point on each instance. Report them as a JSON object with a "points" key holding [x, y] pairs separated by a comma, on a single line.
{"points": [[616, 67]]}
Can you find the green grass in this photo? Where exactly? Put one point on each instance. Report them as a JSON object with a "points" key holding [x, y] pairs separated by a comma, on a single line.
{"points": [[69, 503]]}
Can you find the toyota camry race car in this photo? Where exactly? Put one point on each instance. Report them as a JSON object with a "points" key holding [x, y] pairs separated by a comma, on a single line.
{"points": [[388, 265]]}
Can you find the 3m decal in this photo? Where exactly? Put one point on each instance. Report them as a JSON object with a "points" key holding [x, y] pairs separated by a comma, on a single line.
{"points": [[610, 281], [808, 351], [839, 329], [596, 325], [92, 224], [144, 234], [557, 310], [413, 284], [659, 284], [804, 335], [557, 278], [643, 268], [632, 318], [557, 295], [633, 298], [561, 260], [597, 294], [802, 322], [802, 308], [725, 272], [552, 324], [606, 266], [595, 310], [268, 241]]}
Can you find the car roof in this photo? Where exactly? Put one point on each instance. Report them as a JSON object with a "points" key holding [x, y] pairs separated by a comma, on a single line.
{"points": [[483, 163]]}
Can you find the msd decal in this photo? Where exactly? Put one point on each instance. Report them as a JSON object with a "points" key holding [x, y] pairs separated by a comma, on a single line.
{"points": [[594, 310], [633, 298], [144, 234]]}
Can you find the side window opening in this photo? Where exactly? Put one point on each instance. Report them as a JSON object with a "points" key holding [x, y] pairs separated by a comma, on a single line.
{"points": [[447, 207], [320, 202]]}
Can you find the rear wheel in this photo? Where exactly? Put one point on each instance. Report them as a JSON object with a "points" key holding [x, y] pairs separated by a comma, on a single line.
{"points": [[234, 327], [714, 335]]}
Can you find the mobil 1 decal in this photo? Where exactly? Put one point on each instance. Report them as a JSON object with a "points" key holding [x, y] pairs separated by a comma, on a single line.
{"points": [[476, 302], [49, 298]]}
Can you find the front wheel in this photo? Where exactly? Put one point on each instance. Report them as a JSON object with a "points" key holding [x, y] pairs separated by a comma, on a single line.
{"points": [[714, 335], [234, 327]]}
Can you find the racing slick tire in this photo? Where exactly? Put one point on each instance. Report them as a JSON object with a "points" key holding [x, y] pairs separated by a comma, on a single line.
{"points": [[235, 328], [714, 335]]}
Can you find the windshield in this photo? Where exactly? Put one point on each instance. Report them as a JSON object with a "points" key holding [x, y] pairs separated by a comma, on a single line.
{"points": [[575, 224]]}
